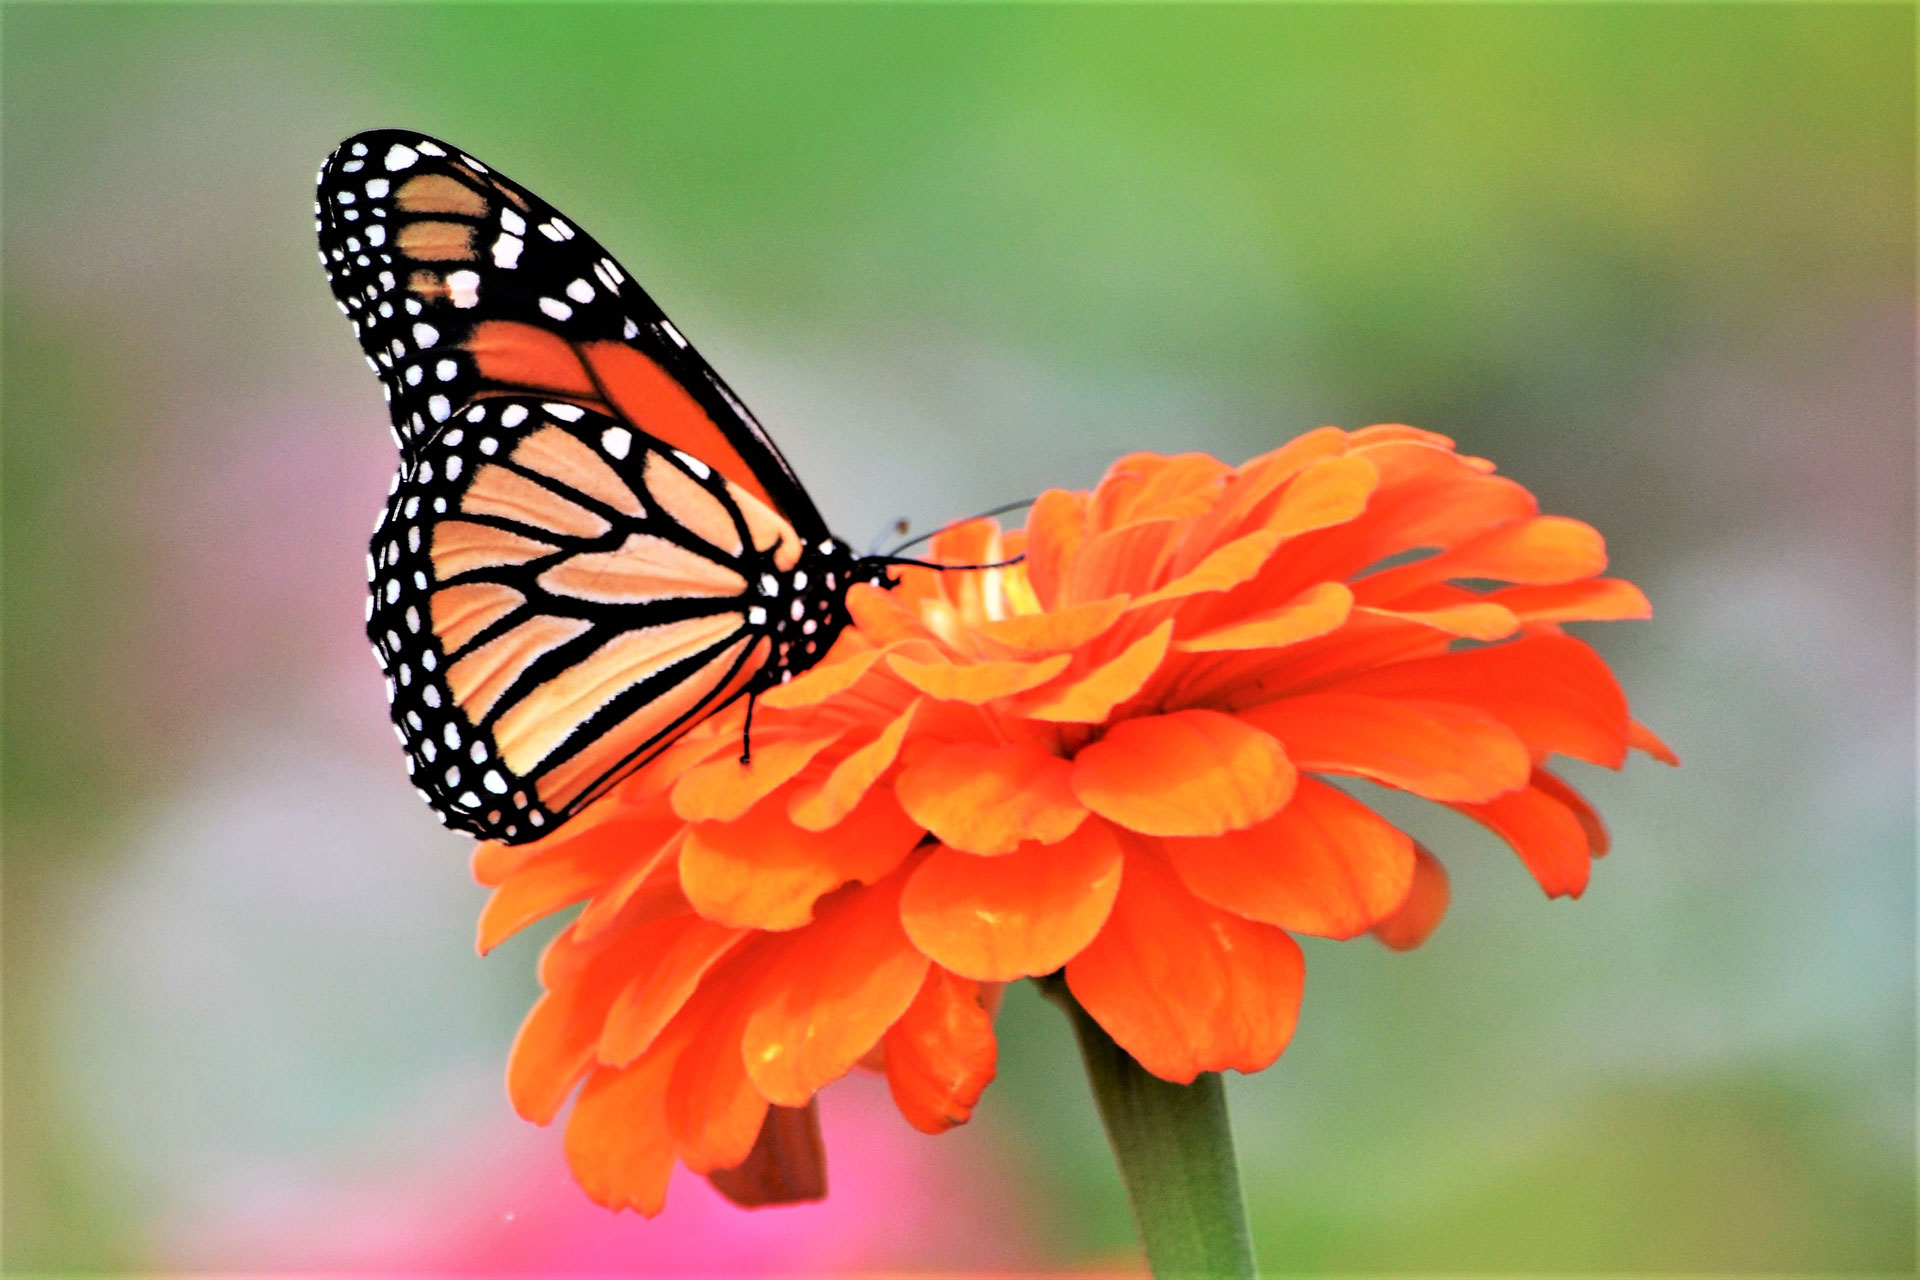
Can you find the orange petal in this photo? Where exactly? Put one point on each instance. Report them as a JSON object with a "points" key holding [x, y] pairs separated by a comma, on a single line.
{"points": [[1246, 497], [713, 1110], [555, 1044], [1224, 568], [1330, 492], [1055, 632], [977, 682], [1479, 620], [1316, 611], [1545, 833], [617, 1142], [562, 876], [1554, 691], [762, 872], [661, 986], [1015, 916], [788, 1163], [828, 680], [941, 1054], [649, 889], [1185, 987], [882, 618], [1093, 696], [1433, 749], [1151, 486], [1056, 526], [1326, 864], [1645, 739], [1598, 842], [1538, 550], [843, 983], [493, 862], [986, 799], [1426, 902], [721, 790], [1591, 600], [1189, 773], [1119, 560], [825, 803]]}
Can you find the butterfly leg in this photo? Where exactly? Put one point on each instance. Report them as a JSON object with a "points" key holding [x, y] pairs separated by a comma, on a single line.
{"points": [[746, 731]]}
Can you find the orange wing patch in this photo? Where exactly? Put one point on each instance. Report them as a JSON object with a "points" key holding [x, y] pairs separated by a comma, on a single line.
{"points": [[525, 355], [496, 491], [561, 456], [644, 567], [431, 240], [461, 546], [649, 398], [479, 679], [438, 193], [566, 781], [463, 612], [691, 505], [767, 527], [529, 731]]}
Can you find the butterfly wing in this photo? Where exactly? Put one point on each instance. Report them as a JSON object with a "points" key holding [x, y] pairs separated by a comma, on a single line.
{"points": [[557, 596], [463, 286]]}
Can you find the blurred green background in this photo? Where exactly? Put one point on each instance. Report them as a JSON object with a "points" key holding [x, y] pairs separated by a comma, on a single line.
{"points": [[1656, 261]]}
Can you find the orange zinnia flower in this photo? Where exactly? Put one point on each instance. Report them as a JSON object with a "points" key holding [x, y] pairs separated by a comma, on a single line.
{"points": [[1108, 759]]}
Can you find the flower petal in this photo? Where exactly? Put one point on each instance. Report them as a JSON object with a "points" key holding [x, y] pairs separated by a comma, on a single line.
{"points": [[661, 985], [618, 840], [976, 682], [1068, 628], [1540, 550], [822, 683], [713, 1110], [1554, 691], [882, 618], [1185, 987], [941, 1054], [1056, 526], [1591, 600], [1021, 914], [843, 983], [1478, 620], [986, 799], [721, 790], [825, 803], [762, 872], [1434, 749], [555, 1044], [1225, 568], [1645, 739], [788, 1163], [1545, 833], [1426, 903], [1119, 560], [1189, 773], [617, 1144], [1329, 492], [1090, 698], [1317, 611], [1598, 842], [1326, 864]]}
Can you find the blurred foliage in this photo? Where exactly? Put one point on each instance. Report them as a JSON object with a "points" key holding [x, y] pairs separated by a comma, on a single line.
{"points": [[1657, 261]]}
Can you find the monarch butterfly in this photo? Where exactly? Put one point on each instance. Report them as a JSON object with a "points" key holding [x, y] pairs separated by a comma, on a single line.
{"points": [[590, 544]]}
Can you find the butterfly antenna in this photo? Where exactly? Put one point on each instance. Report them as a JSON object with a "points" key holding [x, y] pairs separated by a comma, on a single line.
{"points": [[1000, 510]]}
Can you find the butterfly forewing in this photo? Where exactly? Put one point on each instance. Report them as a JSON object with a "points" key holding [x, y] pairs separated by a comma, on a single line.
{"points": [[463, 285], [591, 545]]}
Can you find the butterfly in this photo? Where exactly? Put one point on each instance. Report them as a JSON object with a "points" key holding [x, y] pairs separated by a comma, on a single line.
{"points": [[590, 544]]}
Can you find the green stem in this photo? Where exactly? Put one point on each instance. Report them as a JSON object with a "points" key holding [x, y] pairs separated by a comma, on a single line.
{"points": [[1175, 1151]]}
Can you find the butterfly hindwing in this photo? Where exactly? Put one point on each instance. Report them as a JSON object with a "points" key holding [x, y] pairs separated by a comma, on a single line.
{"points": [[462, 285], [557, 596]]}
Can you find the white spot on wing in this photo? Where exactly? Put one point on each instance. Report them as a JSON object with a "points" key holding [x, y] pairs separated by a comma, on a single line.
{"points": [[506, 251], [400, 157], [463, 288], [616, 441], [556, 308]]}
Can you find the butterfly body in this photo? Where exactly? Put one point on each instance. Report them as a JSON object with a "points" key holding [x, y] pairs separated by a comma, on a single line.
{"points": [[590, 545]]}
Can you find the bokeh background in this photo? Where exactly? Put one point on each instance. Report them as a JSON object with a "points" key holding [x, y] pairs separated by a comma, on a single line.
{"points": [[1656, 261]]}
